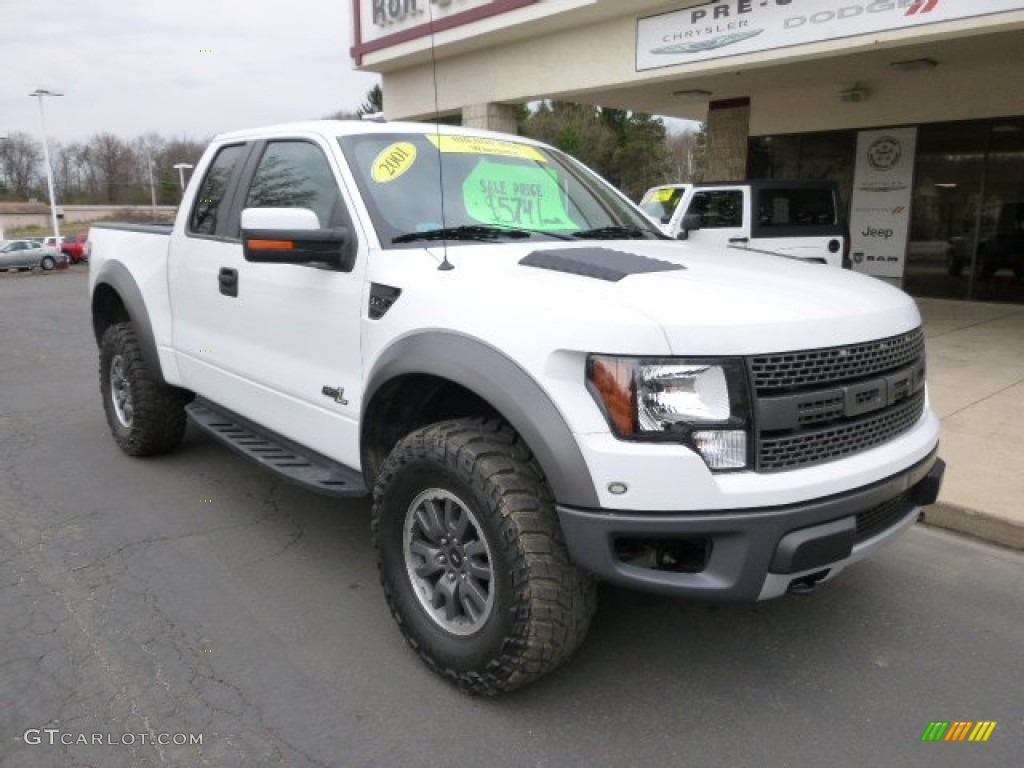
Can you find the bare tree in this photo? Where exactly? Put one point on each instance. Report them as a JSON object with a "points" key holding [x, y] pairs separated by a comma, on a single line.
{"points": [[687, 152], [116, 166], [20, 161], [148, 151]]}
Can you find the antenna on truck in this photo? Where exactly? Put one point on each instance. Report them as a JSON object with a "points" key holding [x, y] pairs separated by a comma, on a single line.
{"points": [[445, 265]]}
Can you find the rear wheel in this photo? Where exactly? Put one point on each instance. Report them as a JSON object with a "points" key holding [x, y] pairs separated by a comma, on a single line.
{"points": [[145, 417], [472, 559]]}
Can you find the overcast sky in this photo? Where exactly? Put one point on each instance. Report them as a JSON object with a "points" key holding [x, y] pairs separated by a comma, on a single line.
{"points": [[133, 66]]}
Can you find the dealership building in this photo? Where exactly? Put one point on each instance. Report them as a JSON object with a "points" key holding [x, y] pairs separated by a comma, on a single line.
{"points": [[915, 108]]}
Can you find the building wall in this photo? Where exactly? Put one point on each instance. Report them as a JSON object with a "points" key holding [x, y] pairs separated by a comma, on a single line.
{"points": [[902, 99], [594, 61]]}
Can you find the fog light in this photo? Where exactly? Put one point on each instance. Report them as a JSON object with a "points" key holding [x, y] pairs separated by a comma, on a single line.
{"points": [[722, 448]]}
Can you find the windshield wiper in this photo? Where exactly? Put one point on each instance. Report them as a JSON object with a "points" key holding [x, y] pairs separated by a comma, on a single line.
{"points": [[468, 232], [617, 232]]}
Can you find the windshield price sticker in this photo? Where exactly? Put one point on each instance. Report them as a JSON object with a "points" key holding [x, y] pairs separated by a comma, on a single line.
{"points": [[477, 145], [515, 196], [658, 196], [393, 161]]}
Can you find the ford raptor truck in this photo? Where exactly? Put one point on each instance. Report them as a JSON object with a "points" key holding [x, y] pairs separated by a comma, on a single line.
{"points": [[536, 387]]}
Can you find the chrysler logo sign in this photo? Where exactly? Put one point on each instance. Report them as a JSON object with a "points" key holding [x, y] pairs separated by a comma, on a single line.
{"points": [[884, 153]]}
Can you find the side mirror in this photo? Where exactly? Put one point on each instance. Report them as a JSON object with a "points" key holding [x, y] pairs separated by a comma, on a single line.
{"points": [[294, 236], [692, 221]]}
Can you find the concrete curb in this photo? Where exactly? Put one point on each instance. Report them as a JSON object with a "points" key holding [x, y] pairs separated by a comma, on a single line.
{"points": [[981, 525]]}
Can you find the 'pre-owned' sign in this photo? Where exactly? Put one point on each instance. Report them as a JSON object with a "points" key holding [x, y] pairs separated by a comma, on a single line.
{"points": [[732, 27]]}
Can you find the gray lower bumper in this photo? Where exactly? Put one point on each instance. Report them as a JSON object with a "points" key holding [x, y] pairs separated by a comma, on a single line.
{"points": [[754, 553]]}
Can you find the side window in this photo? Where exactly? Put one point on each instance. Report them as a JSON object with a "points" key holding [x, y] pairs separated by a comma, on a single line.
{"points": [[796, 207], [203, 220], [294, 174], [719, 208]]}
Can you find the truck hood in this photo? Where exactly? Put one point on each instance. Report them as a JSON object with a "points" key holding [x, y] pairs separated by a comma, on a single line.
{"points": [[720, 302]]}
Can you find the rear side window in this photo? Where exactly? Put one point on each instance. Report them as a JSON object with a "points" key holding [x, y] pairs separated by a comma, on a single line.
{"points": [[719, 209], [210, 198], [294, 174], [796, 207]]}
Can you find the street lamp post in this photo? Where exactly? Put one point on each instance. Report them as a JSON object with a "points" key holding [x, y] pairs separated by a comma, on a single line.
{"points": [[3, 140], [39, 93], [152, 188], [182, 167]]}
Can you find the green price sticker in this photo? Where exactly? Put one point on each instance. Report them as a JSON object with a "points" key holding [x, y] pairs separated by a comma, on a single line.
{"points": [[508, 195]]}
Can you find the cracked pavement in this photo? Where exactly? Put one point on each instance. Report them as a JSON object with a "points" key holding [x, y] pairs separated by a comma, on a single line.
{"points": [[195, 593]]}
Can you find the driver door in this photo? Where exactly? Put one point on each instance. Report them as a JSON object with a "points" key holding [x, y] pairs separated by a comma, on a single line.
{"points": [[267, 340]]}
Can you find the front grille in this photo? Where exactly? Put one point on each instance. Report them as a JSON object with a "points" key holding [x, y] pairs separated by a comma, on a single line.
{"points": [[802, 448], [820, 405], [826, 409], [877, 519], [814, 368]]}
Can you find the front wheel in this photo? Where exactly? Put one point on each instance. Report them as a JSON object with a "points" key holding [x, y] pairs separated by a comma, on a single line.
{"points": [[472, 559], [47, 263], [145, 417]]}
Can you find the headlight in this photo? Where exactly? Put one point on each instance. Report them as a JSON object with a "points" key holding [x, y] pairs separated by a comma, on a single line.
{"points": [[701, 403]]}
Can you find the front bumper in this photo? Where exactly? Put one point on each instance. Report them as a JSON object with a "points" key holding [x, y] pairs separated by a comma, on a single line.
{"points": [[751, 554]]}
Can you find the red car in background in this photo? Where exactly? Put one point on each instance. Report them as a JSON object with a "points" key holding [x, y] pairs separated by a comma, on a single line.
{"points": [[74, 247]]}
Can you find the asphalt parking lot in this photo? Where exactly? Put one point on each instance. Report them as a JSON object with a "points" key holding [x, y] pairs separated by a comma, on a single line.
{"points": [[195, 594]]}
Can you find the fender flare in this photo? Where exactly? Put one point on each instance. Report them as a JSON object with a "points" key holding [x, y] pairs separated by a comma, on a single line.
{"points": [[120, 279], [509, 389]]}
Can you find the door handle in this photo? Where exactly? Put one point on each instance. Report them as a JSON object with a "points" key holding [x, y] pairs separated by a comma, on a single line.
{"points": [[227, 279], [741, 240]]}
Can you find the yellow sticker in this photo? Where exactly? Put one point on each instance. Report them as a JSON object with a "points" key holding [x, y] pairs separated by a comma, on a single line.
{"points": [[393, 161], [659, 195], [477, 145]]}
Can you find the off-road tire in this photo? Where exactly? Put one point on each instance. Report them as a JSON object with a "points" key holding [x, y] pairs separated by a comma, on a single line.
{"points": [[542, 603], [157, 412]]}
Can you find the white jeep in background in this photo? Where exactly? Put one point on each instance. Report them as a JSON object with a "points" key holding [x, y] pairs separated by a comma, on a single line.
{"points": [[797, 219]]}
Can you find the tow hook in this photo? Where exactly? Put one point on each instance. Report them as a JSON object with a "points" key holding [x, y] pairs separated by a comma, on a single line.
{"points": [[806, 585]]}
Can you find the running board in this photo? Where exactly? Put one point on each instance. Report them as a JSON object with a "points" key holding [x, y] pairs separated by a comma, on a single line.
{"points": [[293, 463]]}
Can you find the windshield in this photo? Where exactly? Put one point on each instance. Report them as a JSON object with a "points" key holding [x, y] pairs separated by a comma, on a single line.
{"points": [[661, 202], [492, 189]]}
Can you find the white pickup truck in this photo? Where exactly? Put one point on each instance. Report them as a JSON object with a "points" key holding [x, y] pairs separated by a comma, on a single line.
{"points": [[539, 389]]}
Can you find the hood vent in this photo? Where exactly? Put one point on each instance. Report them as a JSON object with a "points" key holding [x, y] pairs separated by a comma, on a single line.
{"points": [[599, 263]]}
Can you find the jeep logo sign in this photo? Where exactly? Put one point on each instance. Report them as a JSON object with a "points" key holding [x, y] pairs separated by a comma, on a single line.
{"points": [[885, 234], [713, 30]]}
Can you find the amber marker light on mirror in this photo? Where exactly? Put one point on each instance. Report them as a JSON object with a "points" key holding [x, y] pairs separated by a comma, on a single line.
{"points": [[272, 245]]}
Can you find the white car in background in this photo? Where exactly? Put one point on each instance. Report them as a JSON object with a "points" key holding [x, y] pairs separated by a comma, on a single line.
{"points": [[28, 254]]}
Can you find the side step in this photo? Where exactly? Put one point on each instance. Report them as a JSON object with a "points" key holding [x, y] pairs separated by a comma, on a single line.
{"points": [[292, 462]]}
